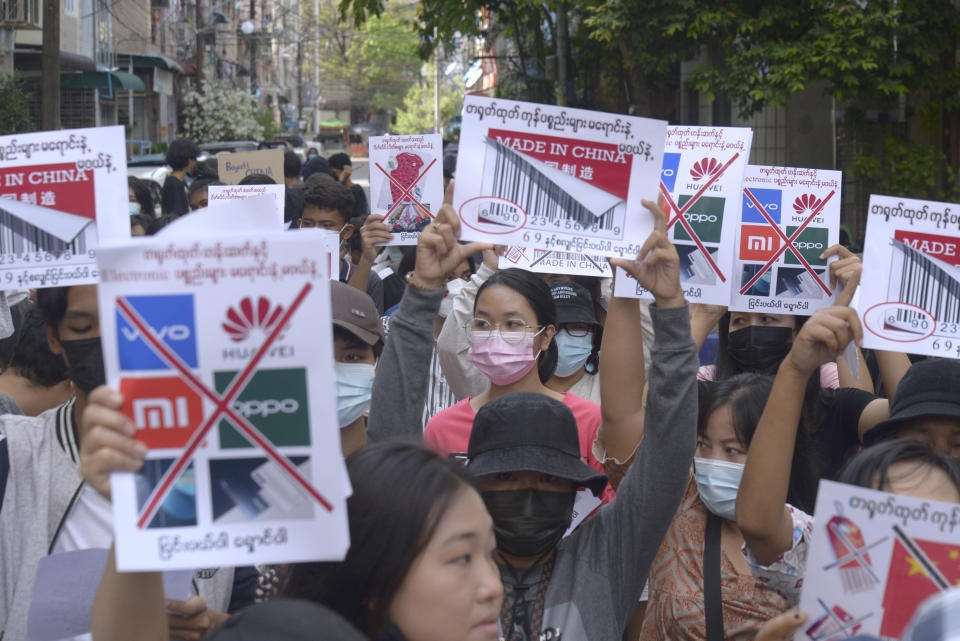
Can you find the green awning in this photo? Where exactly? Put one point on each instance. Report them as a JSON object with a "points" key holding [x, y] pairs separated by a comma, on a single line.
{"points": [[120, 80], [334, 122], [147, 61]]}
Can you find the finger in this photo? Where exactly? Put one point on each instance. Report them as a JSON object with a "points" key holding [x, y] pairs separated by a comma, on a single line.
{"points": [[836, 250], [108, 417], [373, 219], [824, 336], [448, 237], [628, 265], [100, 438], [850, 287], [375, 238], [782, 627], [448, 195], [191, 607], [659, 218], [106, 396], [654, 240]]}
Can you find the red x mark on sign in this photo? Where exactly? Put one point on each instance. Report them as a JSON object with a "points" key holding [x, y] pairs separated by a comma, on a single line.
{"points": [[405, 195], [687, 205], [788, 242], [222, 407]]}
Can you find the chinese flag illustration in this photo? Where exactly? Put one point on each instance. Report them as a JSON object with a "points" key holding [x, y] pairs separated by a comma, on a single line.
{"points": [[909, 583]]}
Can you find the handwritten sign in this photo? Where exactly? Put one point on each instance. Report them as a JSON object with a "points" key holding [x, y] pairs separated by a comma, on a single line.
{"points": [[788, 218], [234, 167], [225, 195], [406, 183], [873, 558], [214, 344], [545, 261], [57, 188], [555, 178]]}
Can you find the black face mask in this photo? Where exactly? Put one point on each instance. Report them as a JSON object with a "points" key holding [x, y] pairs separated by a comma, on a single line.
{"points": [[86, 363], [529, 522], [759, 349]]}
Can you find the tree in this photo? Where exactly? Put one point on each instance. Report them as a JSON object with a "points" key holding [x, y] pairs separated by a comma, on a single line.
{"points": [[14, 106], [417, 114], [225, 114]]}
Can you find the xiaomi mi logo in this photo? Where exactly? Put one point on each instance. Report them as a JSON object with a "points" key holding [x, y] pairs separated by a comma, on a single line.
{"points": [[165, 411], [758, 242]]}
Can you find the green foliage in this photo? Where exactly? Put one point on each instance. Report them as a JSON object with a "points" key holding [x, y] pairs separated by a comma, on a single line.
{"points": [[268, 121], [417, 114], [14, 106], [223, 114], [910, 171]]}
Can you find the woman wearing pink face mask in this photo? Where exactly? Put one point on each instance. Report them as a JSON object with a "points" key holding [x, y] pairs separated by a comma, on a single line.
{"points": [[511, 342]]}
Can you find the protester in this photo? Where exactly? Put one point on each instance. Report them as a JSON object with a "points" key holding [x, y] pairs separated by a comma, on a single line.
{"points": [[257, 179], [524, 447], [342, 168], [291, 168], [36, 379], [181, 158], [140, 223], [138, 195], [317, 165], [287, 620], [198, 192]]}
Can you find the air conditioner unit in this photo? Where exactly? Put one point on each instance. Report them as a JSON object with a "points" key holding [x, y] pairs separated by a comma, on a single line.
{"points": [[20, 14]]}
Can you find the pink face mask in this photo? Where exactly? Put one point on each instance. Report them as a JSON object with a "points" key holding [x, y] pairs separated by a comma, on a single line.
{"points": [[504, 363]]}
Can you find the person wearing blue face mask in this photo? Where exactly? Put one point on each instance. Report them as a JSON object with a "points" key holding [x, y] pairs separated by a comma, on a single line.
{"points": [[357, 342], [577, 341]]}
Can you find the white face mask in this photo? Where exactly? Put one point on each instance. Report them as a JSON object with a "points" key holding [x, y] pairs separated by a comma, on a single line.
{"points": [[454, 287], [354, 388], [718, 483]]}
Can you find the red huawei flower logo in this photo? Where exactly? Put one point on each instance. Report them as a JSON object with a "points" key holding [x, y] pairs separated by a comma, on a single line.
{"points": [[806, 203], [705, 168], [242, 322]]}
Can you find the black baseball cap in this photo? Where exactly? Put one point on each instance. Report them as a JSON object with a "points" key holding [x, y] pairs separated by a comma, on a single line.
{"points": [[355, 312], [287, 620], [574, 303], [524, 431], [928, 389]]}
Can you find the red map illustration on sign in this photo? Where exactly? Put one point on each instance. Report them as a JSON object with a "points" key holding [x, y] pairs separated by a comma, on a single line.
{"points": [[241, 323], [805, 204], [705, 168], [60, 186], [909, 583], [405, 174]]}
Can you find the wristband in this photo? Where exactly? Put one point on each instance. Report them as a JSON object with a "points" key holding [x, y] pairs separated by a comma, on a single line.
{"points": [[411, 281]]}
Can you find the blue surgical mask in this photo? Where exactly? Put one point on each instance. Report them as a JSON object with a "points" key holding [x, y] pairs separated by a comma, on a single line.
{"points": [[134, 208], [354, 388], [573, 352], [718, 483]]}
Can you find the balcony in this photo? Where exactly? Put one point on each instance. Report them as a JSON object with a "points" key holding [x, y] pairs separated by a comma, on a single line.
{"points": [[20, 14]]}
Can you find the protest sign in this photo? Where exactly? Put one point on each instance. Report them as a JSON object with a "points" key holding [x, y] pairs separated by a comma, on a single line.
{"points": [[788, 218], [225, 195], [57, 188], [545, 261], [700, 184], [873, 558], [214, 344], [406, 183], [234, 167], [556, 178], [911, 302]]}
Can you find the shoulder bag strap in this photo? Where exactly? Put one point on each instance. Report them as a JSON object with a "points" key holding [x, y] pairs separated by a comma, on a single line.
{"points": [[713, 605]]}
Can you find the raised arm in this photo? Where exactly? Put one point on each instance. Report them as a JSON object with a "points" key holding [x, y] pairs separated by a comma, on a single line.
{"points": [[129, 605], [893, 365], [703, 318], [762, 514], [848, 266]]}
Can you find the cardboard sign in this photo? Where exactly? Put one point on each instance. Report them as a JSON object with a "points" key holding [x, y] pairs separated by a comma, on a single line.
{"points": [[555, 178], [406, 183], [224, 195], [788, 218], [56, 189], [545, 261], [910, 300], [873, 559], [234, 167], [214, 344], [700, 183]]}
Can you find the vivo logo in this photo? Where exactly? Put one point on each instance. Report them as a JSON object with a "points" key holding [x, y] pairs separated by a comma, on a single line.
{"points": [[759, 243], [165, 333], [156, 413]]}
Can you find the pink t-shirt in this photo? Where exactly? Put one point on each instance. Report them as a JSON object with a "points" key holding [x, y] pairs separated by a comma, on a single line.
{"points": [[829, 375]]}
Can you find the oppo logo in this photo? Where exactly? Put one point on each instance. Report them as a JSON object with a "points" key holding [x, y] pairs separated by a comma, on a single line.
{"points": [[167, 332], [161, 413], [701, 218], [806, 245], [266, 407]]}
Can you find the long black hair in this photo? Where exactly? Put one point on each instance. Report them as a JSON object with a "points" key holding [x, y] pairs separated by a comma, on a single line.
{"points": [[871, 467], [745, 395], [141, 192], [537, 293], [400, 493]]}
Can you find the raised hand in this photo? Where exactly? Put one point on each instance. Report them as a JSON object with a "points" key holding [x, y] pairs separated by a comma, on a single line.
{"points": [[107, 444], [372, 234], [826, 334], [847, 266], [657, 266]]}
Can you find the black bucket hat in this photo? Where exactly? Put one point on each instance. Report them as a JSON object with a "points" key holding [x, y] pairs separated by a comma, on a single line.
{"points": [[574, 303], [524, 431], [930, 388]]}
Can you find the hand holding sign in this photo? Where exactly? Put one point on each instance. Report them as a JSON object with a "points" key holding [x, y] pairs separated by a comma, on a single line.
{"points": [[107, 444], [374, 234], [843, 269], [657, 266], [827, 333]]}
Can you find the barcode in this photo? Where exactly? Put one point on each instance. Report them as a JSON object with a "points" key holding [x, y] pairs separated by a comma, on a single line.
{"points": [[546, 203], [20, 237], [597, 261], [927, 283]]}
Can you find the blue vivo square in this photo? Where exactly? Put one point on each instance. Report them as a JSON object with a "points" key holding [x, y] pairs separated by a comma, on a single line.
{"points": [[668, 174], [769, 198], [171, 318]]}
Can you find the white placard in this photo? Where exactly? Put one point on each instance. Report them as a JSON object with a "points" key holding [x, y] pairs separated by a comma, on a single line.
{"points": [[545, 261], [788, 218], [406, 183], [56, 189], [700, 182], [556, 178], [225, 195], [214, 344], [873, 558], [910, 293]]}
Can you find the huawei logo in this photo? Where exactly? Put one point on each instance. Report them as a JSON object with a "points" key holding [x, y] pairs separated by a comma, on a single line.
{"points": [[705, 168], [245, 319], [806, 204]]}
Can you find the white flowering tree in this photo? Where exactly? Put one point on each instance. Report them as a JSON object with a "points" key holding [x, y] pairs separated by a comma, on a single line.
{"points": [[224, 114]]}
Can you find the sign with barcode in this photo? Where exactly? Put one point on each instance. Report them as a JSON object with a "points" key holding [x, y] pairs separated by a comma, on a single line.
{"points": [[56, 189], [406, 183], [555, 178], [545, 261], [788, 217], [700, 185], [910, 302]]}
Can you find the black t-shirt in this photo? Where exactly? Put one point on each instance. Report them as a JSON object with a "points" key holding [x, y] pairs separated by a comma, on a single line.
{"points": [[838, 432], [173, 198], [360, 206]]}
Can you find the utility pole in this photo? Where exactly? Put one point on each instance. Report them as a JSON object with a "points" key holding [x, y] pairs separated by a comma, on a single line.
{"points": [[199, 60], [299, 78], [316, 65], [50, 65], [561, 40], [253, 49], [436, 86]]}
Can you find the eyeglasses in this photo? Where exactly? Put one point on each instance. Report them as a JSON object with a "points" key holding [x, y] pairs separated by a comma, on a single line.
{"points": [[578, 330], [511, 330]]}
